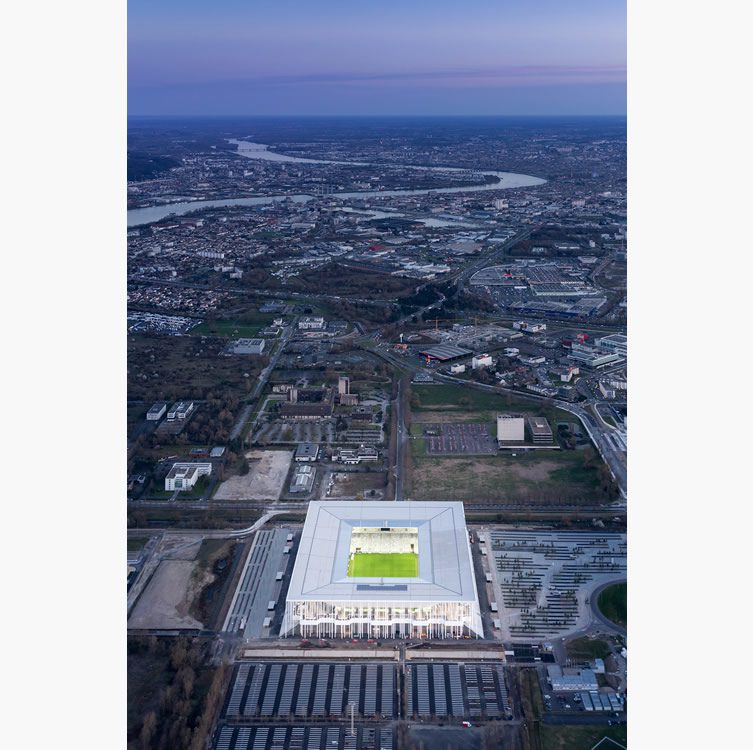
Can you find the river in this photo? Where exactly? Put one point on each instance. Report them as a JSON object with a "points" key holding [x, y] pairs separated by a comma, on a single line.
{"points": [[140, 216]]}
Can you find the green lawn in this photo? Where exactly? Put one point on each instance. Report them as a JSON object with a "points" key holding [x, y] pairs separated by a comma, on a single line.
{"points": [[378, 565], [137, 543], [587, 649], [227, 328], [582, 737], [613, 603]]}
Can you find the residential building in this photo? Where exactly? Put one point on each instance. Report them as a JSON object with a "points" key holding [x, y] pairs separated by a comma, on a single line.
{"points": [[156, 411], [311, 324], [180, 410], [480, 361]]}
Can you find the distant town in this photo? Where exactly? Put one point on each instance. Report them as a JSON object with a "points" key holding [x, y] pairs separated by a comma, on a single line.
{"points": [[377, 434]]}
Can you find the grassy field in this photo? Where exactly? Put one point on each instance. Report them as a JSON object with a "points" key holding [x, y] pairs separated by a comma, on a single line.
{"points": [[455, 397], [581, 737], [545, 477], [230, 328], [613, 603], [376, 565], [587, 649], [136, 543]]}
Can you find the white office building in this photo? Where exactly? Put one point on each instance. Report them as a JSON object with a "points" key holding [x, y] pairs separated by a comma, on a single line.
{"points": [[183, 476], [311, 324]]}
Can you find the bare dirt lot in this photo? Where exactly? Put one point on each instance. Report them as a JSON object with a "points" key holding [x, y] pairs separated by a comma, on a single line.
{"points": [[504, 479], [353, 485], [445, 416], [168, 597], [264, 481]]}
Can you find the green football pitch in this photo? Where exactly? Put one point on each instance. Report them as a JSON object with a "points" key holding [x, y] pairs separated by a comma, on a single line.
{"points": [[377, 565]]}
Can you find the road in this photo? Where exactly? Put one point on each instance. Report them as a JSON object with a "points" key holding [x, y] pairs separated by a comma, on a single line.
{"points": [[402, 438], [262, 381], [612, 457]]}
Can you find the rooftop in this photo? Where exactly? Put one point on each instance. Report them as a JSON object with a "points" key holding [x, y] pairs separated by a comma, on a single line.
{"points": [[445, 572]]}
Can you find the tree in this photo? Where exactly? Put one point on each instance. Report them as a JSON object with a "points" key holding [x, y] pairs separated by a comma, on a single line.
{"points": [[148, 730]]}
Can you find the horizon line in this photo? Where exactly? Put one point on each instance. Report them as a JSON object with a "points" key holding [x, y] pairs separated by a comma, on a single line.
{"points": [[551, 114]]}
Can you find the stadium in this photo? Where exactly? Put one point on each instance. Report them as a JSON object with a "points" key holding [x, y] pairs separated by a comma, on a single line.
{"points": [[383, 570]]}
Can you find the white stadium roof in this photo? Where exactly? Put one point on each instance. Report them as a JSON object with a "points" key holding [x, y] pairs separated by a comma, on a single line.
{"points": [[445, 571]]}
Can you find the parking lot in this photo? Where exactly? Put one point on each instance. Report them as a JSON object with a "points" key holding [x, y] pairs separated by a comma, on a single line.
{"points": [[459, 438], [543, 579], [279, 431], [258, 586]]}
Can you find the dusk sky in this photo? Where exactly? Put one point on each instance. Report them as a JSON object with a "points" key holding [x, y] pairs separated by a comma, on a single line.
{"points": [[392, 57]]}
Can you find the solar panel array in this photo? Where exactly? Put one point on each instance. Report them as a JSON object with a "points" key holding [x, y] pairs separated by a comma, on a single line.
{"points": [[313, 689], [475, 691], [304, 738]]}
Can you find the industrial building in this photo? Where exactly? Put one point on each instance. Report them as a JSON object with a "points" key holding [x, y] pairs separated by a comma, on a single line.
{"points": [[325, 600], [303, 479], [247, 346], [306, 452], [445, 352], [183, 476], [571, 679], [510, 429]]}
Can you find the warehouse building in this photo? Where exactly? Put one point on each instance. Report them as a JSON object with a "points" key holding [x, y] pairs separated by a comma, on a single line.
{"points": [[510, 429], [247, 346], [445, 352], [306, 452], [383, 570], [303, 479]]}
